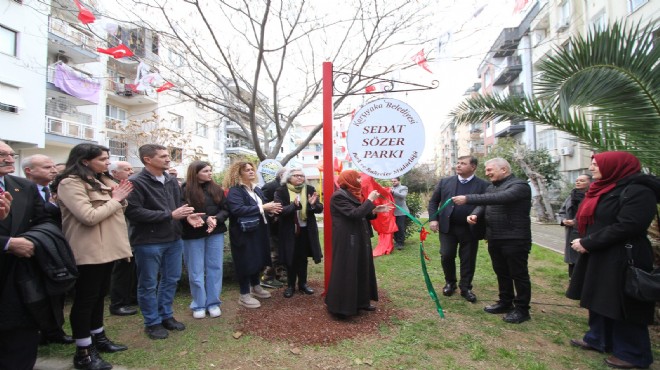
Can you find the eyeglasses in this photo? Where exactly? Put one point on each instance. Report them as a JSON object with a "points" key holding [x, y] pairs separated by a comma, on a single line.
{"points": [[299, 176], [7, 155]]}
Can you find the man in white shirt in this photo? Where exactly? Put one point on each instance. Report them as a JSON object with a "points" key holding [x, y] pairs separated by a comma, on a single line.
{"points": [[41, 170]]}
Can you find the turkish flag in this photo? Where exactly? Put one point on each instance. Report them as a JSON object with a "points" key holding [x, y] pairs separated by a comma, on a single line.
{"points": [[420, 59], [84, 15], [369, 89], [117, 52], [352, 114], [166, 86], [520, 4]]}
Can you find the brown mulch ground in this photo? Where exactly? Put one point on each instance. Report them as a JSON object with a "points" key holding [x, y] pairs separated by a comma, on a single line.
{"points": [[304, 320]]}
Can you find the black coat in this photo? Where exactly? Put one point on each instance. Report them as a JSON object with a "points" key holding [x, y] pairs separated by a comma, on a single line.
{"points": [[150, 207], [353, 277], [567, 212], [250, 251], [286, 226], [598, 277], [210, 208], [27, 210], [446, 189], [505, 207]]}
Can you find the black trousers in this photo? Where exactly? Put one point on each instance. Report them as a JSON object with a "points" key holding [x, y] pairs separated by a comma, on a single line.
{"points": [[123, 284], [18, 349], [459, 235], [88, 303], [400, 235], [509, 259], [298, 268]]}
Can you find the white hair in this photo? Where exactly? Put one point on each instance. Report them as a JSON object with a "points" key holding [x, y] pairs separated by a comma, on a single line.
{"points": [[499, 163]]}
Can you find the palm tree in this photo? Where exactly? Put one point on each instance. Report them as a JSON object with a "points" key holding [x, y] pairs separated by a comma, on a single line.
{"points": [[604, 90]]}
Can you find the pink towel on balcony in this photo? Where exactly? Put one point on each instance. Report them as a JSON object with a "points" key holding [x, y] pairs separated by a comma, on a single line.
{"points": [[74, 84]]}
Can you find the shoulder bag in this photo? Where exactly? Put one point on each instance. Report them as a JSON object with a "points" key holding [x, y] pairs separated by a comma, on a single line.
{"points": [[641, 285]]}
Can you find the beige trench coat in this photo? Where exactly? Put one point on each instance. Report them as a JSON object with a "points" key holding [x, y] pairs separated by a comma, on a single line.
{"points": [[93, 222]]}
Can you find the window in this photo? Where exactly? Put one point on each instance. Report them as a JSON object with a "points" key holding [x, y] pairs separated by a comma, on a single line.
{"points": [[114, 116], [217, 144], [154, 43], [200, 105], [175, 58], [118, 148], [201, 129], [8, 41], [565, 12], [10, 98], [176, 154], [599, 21], [633, 5], [318, 147], [547, 139], [177, 122]]}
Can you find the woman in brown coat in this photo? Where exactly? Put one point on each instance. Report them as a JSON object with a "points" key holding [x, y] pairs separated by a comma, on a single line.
{"points": [[92, 205]]}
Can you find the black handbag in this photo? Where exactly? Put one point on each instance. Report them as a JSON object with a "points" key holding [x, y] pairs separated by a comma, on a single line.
{"points": [[641, 285], [248, 224]]}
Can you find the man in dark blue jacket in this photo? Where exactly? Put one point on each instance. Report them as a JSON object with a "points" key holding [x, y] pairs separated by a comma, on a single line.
{"points": [[505, 207], [454, 229], [19, 336], [155, 213]]}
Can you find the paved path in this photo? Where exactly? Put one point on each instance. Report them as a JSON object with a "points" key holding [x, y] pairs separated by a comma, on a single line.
{"points": [[549, 236]]}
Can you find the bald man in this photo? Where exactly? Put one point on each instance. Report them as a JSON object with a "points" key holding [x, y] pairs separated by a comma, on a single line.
{"points": [[41, 170], [123, 286]]}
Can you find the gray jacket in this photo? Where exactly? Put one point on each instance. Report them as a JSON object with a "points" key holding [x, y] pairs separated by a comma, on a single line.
{"points": [[400, 193]]}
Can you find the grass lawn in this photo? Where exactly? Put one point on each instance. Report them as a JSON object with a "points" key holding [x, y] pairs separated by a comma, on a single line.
{"points": [[414, 338]]}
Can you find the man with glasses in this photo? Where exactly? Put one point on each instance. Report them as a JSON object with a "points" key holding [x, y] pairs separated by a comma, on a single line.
{"points": [[19, 335]]}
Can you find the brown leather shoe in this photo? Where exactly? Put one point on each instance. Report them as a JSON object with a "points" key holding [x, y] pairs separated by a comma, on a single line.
{"points": [[582, 344], [620, 364]]}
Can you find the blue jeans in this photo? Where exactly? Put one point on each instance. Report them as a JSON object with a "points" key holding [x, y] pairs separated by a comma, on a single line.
{"points": [[627, 341], [155, 297], [203, 259]]}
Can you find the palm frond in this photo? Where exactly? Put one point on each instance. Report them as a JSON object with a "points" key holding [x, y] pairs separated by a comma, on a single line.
{"points": [[604, 90]]}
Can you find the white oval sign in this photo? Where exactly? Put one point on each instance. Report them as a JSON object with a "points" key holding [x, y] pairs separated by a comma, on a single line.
{"points": [[385, 138], [267, 170]]}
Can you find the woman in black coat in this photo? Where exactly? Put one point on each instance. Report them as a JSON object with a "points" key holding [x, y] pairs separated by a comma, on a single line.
{"points": [[567, 219], [250, 250], [298, 231], [617, 210], [352, 284]]}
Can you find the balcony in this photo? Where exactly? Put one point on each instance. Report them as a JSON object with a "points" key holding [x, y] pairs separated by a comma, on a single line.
{"points": [[509, 70], [506, 43], [509, 128], [515, 90], [54, 92], [70, 43], [239, 146], [124, 94], [70, 129]]}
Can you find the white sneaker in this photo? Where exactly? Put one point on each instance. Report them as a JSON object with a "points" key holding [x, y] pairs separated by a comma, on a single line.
{"points": [[199, 314], [259, 292], [247, 301], [215, 311]]}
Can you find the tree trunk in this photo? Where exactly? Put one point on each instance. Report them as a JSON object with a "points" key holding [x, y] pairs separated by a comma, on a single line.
{"points": [[541, 203]]}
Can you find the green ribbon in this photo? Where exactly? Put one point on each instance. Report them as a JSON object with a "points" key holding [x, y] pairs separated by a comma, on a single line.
{"points": [[422, 253]]}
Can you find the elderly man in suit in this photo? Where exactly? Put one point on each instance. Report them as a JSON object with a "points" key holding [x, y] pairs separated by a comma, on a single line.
{"points": [[19, 336], [454, 229], [41, 170]]}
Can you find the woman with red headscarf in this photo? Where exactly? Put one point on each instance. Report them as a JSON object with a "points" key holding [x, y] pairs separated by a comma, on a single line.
{"points": [[617, 210], [352, 284]]}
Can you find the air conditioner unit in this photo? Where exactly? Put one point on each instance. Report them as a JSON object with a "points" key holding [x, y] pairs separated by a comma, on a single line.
{"points": [[566, 150], [554, 158], [562, 25]]}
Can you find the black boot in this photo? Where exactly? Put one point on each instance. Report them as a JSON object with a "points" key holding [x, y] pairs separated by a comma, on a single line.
{"points": [[103, 344], [89, 359]]}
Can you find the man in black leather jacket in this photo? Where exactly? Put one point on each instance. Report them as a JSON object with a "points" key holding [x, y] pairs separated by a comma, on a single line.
{"points": [[505, 207]]}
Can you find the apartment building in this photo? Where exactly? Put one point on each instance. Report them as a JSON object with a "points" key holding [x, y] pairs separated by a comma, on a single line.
{"points": [[57, 91], [512, 61]]}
